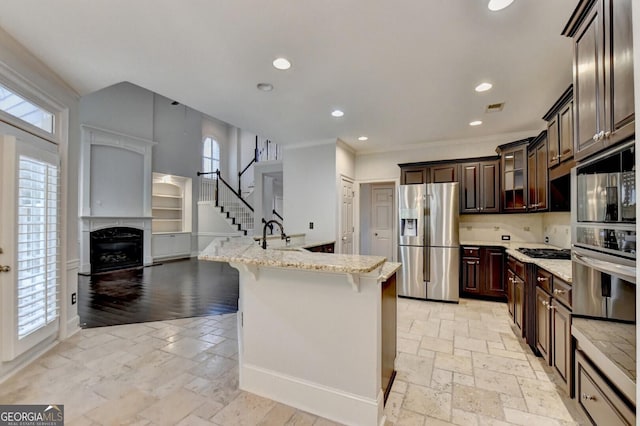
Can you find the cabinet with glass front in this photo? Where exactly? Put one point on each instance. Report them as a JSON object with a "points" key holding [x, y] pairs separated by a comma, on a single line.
{"points": [[514, 175]]}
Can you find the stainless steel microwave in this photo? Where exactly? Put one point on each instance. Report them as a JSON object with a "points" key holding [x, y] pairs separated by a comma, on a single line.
{"points": [[606, 187]]}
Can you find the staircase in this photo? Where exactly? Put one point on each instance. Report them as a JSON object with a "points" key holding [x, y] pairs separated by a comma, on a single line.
{"points": [[229, 202]]}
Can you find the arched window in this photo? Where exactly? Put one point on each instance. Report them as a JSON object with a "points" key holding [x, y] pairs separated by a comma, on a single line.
{"points": [[210, 155]]}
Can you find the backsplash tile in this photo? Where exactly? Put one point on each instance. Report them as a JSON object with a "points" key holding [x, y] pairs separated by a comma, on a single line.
{"points": [[557, 226], [525, 227], [490, 227]]}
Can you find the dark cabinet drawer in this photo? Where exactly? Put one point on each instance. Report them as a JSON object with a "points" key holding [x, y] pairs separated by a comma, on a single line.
{"points": [[516, 266], [597, 398], [544, 280], [471, 252], [562, 292]]}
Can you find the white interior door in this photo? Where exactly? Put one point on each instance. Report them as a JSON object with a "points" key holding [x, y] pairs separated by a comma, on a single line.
{"points": [[30, 241], [382, 220], [346, 218]]}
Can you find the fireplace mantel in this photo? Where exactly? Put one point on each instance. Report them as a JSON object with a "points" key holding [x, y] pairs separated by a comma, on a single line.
{"points": [[115, 186]]}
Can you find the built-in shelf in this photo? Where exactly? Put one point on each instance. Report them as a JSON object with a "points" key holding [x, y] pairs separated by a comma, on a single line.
{"points": [[171, 204]]}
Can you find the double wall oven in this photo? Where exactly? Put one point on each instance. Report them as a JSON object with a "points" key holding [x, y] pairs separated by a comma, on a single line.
{"points": [[604, 235]]}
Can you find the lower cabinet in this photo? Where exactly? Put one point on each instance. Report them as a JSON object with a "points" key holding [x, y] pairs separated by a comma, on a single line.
{"points": [[543, 323], [482, 272], [553, 325], [322, 248], [561, 343], [171, 246], [516, 293], [599, 401]]}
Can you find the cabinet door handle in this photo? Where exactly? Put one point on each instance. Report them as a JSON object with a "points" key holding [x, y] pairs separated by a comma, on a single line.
{"points": [[588, 397], [595, 137], [540, 279], [558, 291], [607, 135], [545, 303]]}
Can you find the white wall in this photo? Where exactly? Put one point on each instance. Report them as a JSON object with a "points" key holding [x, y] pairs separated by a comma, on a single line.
{"points": [[123, 107], [384, 165], [309, 173]]}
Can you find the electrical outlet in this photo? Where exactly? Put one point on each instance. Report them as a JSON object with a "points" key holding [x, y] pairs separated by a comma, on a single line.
{"points": [[73, 298], [506, 237], [310, 225], [527, 229], [546, 239]]}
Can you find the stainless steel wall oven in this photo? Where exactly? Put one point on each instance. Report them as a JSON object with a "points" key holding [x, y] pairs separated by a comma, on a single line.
{"points": [[604, 235]]}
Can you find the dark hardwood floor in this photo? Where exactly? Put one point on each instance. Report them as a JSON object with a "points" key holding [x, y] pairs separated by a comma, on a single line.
{"points": [[180, 289]]}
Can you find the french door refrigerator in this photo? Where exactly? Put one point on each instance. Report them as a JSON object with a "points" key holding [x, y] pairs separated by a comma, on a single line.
{"points": [[429, 246]]}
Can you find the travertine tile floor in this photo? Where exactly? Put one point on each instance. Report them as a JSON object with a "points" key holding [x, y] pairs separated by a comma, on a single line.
{"points": [[457, 364]]}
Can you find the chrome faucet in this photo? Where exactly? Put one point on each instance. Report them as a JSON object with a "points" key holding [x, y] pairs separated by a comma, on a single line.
{"points": [[267, 224]]}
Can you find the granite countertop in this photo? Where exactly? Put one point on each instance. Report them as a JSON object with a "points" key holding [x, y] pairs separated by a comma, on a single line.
{"points": [[559, 268], [246, 250], [388, 269], [612, 347]]}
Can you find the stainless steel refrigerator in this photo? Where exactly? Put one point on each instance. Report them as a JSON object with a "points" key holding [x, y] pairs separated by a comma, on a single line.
{"points": [[429, 245]]}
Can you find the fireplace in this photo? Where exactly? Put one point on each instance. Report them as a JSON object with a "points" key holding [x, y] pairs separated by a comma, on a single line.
{"points": [[116, 248]]}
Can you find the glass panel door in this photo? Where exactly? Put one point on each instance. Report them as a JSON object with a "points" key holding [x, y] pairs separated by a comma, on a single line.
{"points": [[30, 241]]}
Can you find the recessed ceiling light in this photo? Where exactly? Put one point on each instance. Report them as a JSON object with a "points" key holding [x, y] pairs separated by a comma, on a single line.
{"points": [[475, 123], [483, 87], [363, 138], [265, 87], [281, 63], [337, 113], [495, 5]]}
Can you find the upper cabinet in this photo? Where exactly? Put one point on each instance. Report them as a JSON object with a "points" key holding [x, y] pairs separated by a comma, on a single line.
{"points": [[414, 175], [560, 129], [443, 173], [538, 180], [602, 74], [480, 187], [514, 176]]}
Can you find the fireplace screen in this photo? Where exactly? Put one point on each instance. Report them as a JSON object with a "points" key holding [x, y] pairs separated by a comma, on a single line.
{"points": [[115, 248]]}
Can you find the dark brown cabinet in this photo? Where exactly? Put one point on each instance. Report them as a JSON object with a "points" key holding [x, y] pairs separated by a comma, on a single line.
{"points": [[480, 187], [414, 175], [323, 248], [514, 176], [561, 343], [515, 276], [553, 324], [443, 173], [543, 323], [538, 177], [603, 74], [483, 272], [470, 275], [560, 129]]}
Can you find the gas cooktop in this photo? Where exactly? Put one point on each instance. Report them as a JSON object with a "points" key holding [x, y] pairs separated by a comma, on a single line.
{"points": [[546, 253]]}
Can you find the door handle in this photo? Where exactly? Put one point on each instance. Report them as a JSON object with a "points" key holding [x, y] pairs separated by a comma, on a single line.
{"points": [[376, 234], [5, 268]]}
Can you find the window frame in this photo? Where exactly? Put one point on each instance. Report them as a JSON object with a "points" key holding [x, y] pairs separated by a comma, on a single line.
{"points": [[212, 159]]}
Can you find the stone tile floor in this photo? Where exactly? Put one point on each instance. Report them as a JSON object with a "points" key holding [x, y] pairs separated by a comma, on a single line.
{"points": [[457, 364]]}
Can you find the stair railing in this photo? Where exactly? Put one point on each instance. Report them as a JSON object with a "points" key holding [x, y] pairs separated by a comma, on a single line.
{"points": [[263, 151], [277, 214], [226, 197]]}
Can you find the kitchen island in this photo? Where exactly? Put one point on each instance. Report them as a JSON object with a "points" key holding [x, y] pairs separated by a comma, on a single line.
{"points": [[316, 331]]}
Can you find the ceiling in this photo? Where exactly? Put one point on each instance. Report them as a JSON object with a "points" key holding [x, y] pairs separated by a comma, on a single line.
{"points": [[403, 71]]}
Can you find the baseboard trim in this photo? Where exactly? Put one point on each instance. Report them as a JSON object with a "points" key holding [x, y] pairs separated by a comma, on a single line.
{"points": [[333, 404], [73, 326]]}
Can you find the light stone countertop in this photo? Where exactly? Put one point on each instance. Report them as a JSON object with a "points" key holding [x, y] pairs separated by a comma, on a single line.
{"points": [[246, 250], [559, 268], [612, 346], [388, 269]]}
